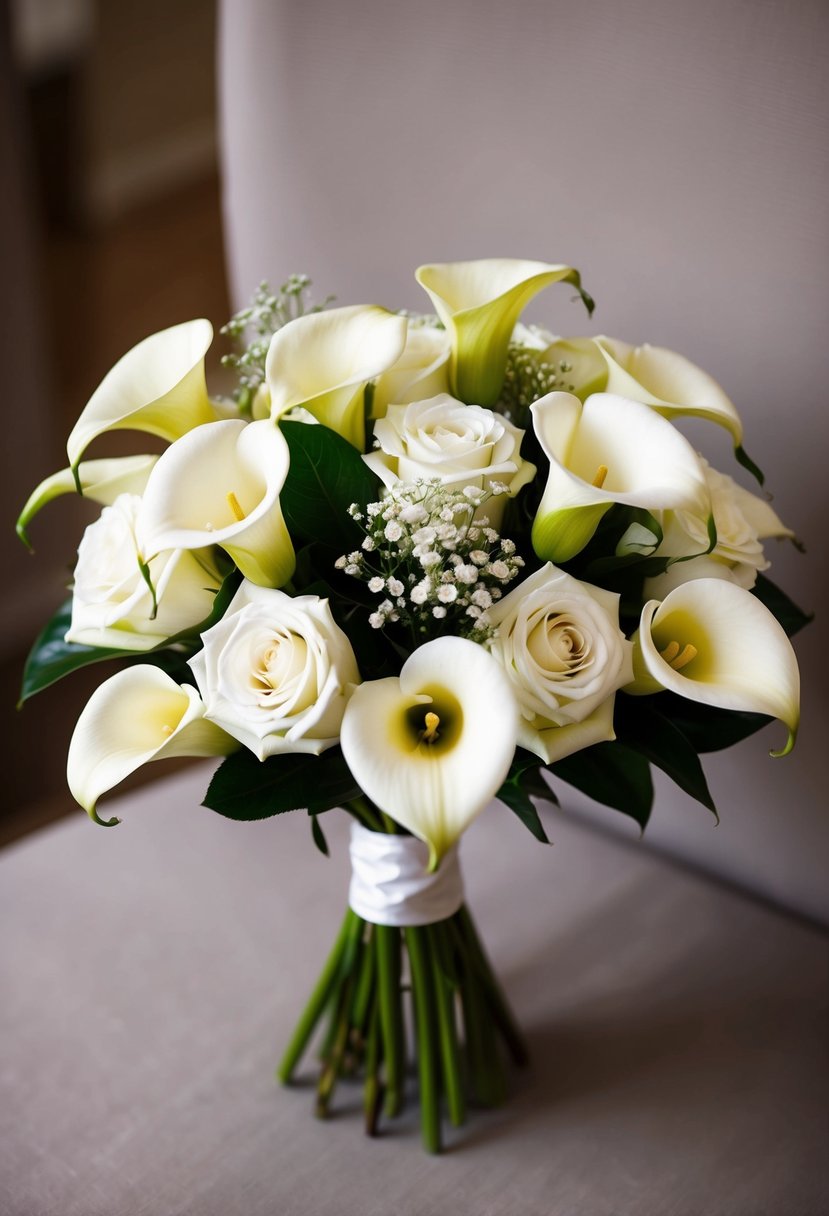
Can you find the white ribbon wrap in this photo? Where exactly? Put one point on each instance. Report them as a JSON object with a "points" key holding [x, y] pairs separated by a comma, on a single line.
{"points": [[390, 884]]}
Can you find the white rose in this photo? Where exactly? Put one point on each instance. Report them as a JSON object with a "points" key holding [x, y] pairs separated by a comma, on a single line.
{"points": [[111, 603], [560, 643], [743, 521], [460, 445], [421, 371], [276, 672]]}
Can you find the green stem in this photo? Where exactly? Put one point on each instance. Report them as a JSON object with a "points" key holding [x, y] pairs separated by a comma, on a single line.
{"points": [[319, 999], [493, 992], [387, 947], [373, 1090], [447, 1030], [424, 1005], [332, 1066], [361, 811]]}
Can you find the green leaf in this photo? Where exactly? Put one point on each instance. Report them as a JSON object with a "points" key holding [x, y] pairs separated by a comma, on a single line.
{"points": [[245, 788], [318, 836], [524, 782], [613, 774], [640, 725], [706, 727], [779, 605], [325, 477]]}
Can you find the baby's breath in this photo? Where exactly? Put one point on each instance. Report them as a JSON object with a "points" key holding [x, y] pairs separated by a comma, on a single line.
{"points": [[252, 328], [529, 376], [433, 558]]}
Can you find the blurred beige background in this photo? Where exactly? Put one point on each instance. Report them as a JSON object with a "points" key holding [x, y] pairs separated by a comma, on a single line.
{"points": [[675, 151]]}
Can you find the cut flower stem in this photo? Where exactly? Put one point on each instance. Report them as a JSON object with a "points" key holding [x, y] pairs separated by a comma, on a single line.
{"points": [[452, 1011]]}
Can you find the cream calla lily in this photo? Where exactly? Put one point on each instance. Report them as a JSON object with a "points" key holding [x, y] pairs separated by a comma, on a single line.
{"points": [[220, 485], [714, 642], [605, 451], [157, 387], [323, 361], [136, 716], [433, 746], [668, 382], [479, 303], [100, 480], [422, 370]]}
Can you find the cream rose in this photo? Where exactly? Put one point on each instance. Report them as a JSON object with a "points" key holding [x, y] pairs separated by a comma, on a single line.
{"points": [[743, 521], [560, 643], [276, 672], [111, 603], [460, 445], [421, 371]]}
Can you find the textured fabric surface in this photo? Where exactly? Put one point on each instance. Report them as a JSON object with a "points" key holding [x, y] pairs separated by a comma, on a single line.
{"points": [[677, 152], [152, 973]]}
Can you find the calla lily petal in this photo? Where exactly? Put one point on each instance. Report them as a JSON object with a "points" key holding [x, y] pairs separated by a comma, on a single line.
{"points": [[101, 480], [605, 451], [479, 303], [668, 382], [136, 716], [714, 642], [219, 485], [158, 387], [323, 361], [433, 775]]}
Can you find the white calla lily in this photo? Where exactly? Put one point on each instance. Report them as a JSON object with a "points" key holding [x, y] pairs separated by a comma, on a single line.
{"points": [[157, 387], [100, 480], [714, 642], [433, 746], [136, 716], [605, 451], [220, 485], [323, 361], [668, 382], [480, 302]]}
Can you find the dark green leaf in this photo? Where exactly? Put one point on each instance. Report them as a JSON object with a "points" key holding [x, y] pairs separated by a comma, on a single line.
{"points": [[613, 774], [318, 835], [641, 726], [326, 475], [524, 782], [245, 788], [706, 727], [779, 605]]}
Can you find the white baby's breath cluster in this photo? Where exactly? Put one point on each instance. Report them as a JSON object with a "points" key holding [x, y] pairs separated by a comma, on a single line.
{"points": [[529, 376], [432, 559]]}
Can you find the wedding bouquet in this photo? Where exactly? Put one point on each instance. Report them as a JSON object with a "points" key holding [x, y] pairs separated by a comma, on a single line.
{"points": [[414, 564]]}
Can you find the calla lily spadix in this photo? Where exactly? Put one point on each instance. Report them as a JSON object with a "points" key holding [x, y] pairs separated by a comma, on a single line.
{"points": [[479, 303], [714, 642], [219, 485], [323, 361], [433, 746], [668, 382], [157, 387], [136, 716], [605, 451], [101, 480]]}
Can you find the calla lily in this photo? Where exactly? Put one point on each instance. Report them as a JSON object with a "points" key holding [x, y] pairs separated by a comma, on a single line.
{"points": [[668, 382], [136, 716], [158, 387], [220, 485], [100, 480], [323, 361], [422, 371], [432, 746], [479, 303], [714, 642], [608, 450]]}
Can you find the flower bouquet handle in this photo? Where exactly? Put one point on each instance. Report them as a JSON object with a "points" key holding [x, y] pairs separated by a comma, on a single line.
{"points": [[406, 933]]}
